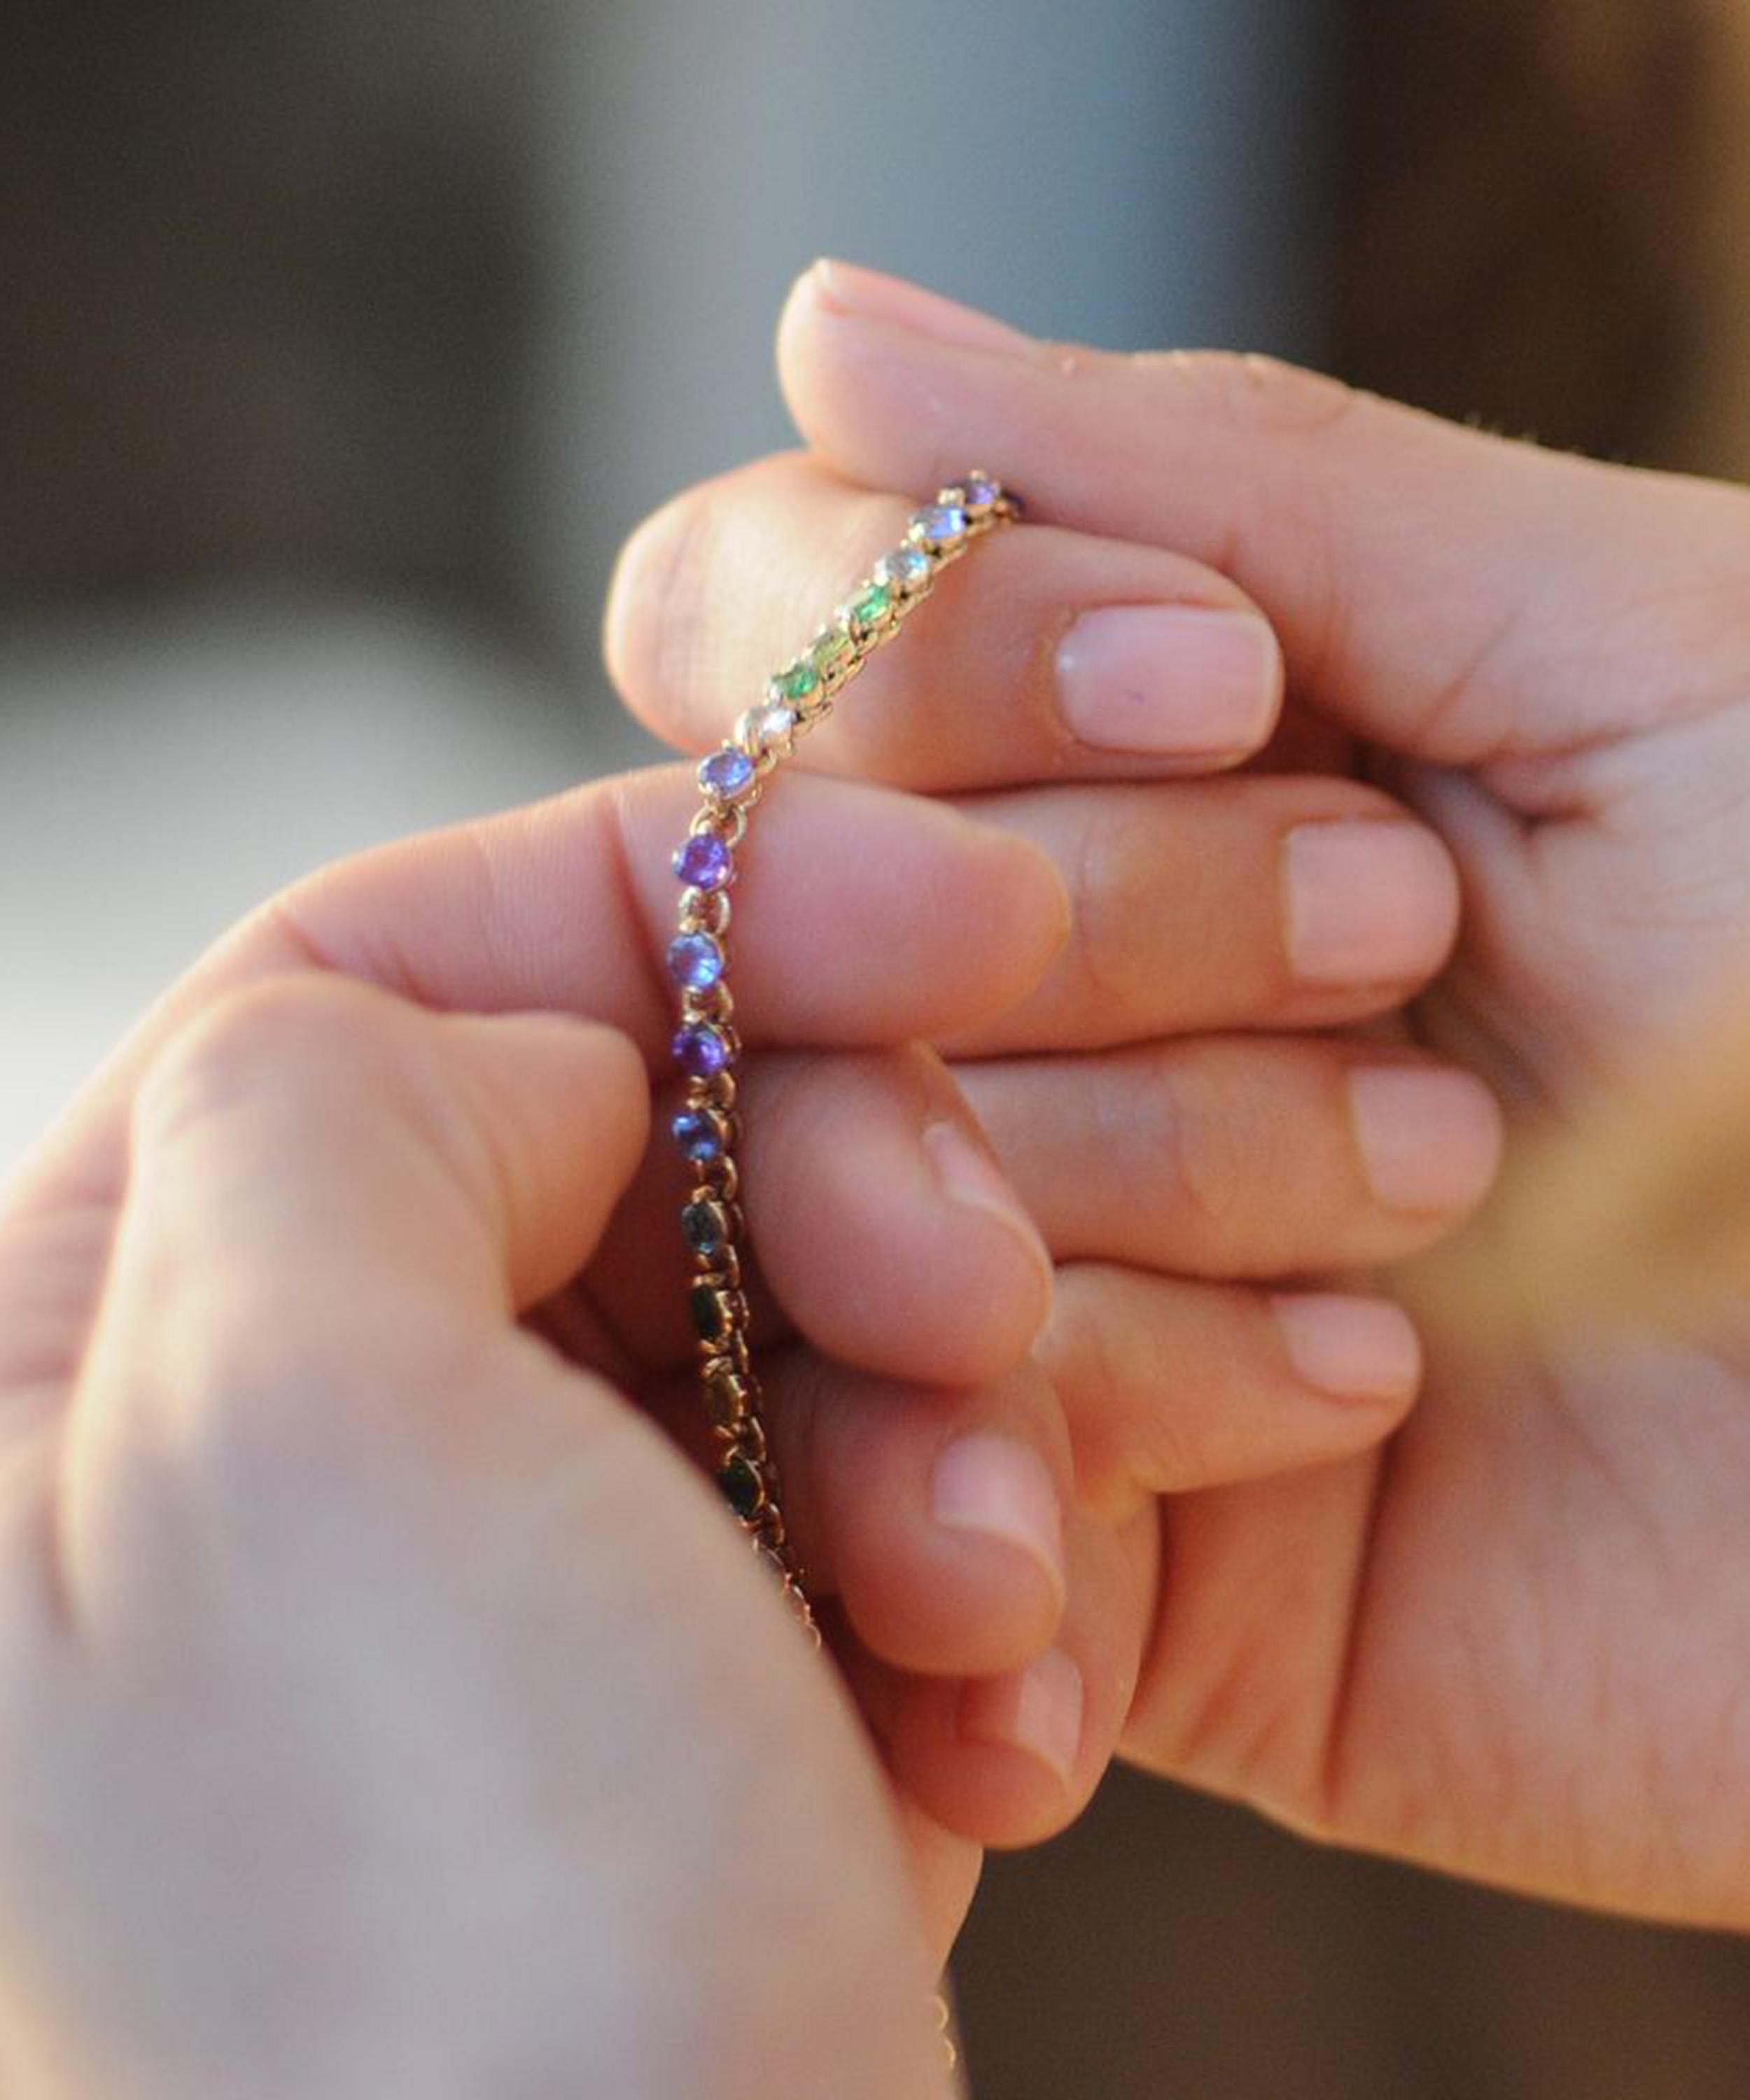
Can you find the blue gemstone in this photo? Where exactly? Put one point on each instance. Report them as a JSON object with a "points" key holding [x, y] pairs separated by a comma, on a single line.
{"points": [[700, 1050], [695, 961], [696, 1136], [703, 861], [727, 772], [941, 523]]}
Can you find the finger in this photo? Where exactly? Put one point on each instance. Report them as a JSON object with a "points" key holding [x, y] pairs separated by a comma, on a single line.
{"points": [[332, 1194], [1169, 1386], [1055, 655], [929, 1518], [1457, 596], [881, 1227], [568, 906], [1252, 902], [934, 1515], [1232, 1157], [1014, 1757], [312, 1131]]}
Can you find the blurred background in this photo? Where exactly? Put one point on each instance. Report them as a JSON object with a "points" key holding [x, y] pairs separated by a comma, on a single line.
{"points": [[340, 344]]}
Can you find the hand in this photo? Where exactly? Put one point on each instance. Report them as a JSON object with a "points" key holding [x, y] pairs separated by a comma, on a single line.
{"points": [[1513, 1644], [384, 1705]]}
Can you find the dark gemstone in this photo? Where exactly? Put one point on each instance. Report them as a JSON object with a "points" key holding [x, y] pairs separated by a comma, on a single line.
{"points": [[725, 1395], [703, 1227], [710, 1315], [741, 1483], [698, 1135]]}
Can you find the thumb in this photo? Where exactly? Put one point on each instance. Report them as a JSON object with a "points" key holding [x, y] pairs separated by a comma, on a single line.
{"points": [[1450, 594], [310, 1145]]}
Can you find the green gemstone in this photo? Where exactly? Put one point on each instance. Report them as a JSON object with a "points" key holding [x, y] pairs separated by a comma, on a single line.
{"points": [[740, 1482], [797, 682], [710, 1317], [831, 653], [872, 606]]}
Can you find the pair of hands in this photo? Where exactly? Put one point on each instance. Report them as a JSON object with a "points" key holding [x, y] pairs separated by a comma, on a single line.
{"points": [[382, 1702]]}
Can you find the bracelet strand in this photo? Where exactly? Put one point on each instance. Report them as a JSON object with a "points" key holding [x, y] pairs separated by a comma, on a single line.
{"points": [[706, 1047]]}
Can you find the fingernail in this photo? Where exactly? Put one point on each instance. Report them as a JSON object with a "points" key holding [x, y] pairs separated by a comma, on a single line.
{"points": [[1428, 1140], [1369, 901], [1353, 1348], [994, 1484], [875, 296], [1197, 681], [967, 1175], [1038, 1710]]}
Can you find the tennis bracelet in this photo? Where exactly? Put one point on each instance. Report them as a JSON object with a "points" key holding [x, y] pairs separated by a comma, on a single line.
{"points": [[706, 1047]]}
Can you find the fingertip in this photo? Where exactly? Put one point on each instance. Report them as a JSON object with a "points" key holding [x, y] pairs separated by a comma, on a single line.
{"points": [[942, 1517]]}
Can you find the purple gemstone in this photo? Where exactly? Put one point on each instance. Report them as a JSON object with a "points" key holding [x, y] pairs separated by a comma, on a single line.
{"points": [[978, 490], [700, 1050], [696, 1136], [695, 961], [703, 861], [727, 772], [941, 523]]}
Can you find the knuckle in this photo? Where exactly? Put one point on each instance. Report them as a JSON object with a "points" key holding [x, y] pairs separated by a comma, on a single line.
{"points": [[1248, 392], [1115, 870], [310, 1032]]}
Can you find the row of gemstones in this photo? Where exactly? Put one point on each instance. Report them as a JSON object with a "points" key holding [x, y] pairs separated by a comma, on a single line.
{"points": [[705, 1047]]}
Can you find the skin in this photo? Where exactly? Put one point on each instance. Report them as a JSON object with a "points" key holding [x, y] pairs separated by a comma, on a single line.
{"points": [[1510, 1642], [386, 1704]]}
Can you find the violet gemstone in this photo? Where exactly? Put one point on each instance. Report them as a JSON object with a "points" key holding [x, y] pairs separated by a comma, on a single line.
{"points": [[703, 861], [727, 772], [695, 961], [700, 1050], [942, 523], [978, 490], [696, 1136]]}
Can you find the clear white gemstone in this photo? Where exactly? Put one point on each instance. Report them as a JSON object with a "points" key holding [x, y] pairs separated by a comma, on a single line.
{"points": [[769, 727], [904, 569]]}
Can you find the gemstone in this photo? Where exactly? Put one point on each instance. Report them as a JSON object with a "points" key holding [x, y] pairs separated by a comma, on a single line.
{"points": [[771, 727], [727, 772], [871, 606], [904, 569], [726, 1394], [703, 1227], [695, 961], [703, 861], [699, 1136], [832, 652], [710, 1315], [797, 682], [743, 1488], [979, 491], [940, 524], [700, 1049]]}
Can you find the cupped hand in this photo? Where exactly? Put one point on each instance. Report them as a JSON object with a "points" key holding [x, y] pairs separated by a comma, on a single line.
{"points": [[1511, 1644]]}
